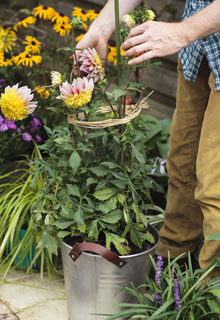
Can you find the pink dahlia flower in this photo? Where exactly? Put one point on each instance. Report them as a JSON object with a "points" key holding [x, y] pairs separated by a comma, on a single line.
{"points": [[91, 64], [16, 103], [78, 93]]}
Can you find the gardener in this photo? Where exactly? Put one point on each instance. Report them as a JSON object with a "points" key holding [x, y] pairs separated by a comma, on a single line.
{"points": [[193, 161]]}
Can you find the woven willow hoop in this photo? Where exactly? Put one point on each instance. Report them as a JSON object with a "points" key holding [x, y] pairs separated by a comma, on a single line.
{"points": [[132, 111]]}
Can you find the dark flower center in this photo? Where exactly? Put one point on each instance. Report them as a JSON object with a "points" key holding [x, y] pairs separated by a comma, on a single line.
{"points": [[28, 55], [45, 7], [97, 11], [83, 11], [61, 14], [33, 43], [62, 27]]}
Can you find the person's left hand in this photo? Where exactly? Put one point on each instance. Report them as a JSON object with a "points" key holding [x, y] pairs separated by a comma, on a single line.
{"points": [[154, 39]]}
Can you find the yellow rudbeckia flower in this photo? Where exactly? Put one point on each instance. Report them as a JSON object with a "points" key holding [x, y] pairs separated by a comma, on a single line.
{"points": [[33, 45], [80, 13], [44, 12], [7, 39], [63, 29], [60, 18], [27, 59], [25, 22]]}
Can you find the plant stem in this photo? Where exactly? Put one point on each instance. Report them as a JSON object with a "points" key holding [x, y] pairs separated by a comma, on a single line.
{"points": [[117, 34], [72, 135]]}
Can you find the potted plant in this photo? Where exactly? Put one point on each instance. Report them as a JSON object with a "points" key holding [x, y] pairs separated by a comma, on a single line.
{"points": [[97, 178]]}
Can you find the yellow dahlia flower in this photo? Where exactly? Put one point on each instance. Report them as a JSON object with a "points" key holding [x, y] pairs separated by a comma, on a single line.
{"points": [[78, 93], [16, 102], [7, 39]]}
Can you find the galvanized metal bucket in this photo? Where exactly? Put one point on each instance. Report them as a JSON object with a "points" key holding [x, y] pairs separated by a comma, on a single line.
{"points": [[94, 284]]}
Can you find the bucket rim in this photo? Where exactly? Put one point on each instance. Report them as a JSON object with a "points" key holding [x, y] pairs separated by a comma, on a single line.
{"points": [[127, 256]]}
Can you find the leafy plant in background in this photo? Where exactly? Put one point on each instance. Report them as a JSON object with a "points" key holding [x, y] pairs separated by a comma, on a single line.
{"points": [[174, 294]]}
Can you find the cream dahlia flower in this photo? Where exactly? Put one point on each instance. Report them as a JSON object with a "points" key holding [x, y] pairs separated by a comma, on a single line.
{"points": [[128, 21], [16, 102], [56, 78], [91, 64], [78, 93]]}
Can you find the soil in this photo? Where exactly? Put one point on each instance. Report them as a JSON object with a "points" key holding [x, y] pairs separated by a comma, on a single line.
{"points": [[134, 249]]}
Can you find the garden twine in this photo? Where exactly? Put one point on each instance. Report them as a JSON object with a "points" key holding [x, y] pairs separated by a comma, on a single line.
{"points": [[132, 111]]}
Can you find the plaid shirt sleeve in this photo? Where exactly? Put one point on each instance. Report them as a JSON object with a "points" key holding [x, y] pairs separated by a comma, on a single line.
{"points": [[192, 55]]}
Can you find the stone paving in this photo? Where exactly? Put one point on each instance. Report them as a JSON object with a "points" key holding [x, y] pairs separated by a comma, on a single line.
{"points": [[27, 297]]}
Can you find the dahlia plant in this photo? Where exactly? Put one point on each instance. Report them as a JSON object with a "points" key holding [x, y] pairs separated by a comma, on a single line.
{"points": [[98, 183]]}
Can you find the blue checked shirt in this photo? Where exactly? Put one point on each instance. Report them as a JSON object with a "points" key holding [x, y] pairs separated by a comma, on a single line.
{"points": [[192, 55]]}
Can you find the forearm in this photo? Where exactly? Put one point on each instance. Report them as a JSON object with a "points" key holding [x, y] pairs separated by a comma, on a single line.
{"points": [[105, 22], [203, 23]]}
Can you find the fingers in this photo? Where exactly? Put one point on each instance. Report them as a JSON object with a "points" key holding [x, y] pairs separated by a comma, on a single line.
{"points": [[137, 50], [131, 42], [143, 57], [139, 29]]}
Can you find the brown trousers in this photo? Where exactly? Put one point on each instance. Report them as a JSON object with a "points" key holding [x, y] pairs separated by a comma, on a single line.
{"points": [[193, 165]]}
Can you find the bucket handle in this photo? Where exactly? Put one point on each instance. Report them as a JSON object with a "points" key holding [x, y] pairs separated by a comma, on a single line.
{"points": [[96, 248]]}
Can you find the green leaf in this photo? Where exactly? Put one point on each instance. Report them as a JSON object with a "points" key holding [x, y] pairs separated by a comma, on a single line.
{"points": [[149, 237], [112, 217], [73, 190], [106, 206], [63, 234], [93, 230], [99, 171], [110, 165], [48, 242], [65, 49], [90, 181], [120, 244], [79, 216], [117, 93], [140, 158], [121, 198], [215, 292], [104, 194], [74, 161], [63, 224], [137, 237]]}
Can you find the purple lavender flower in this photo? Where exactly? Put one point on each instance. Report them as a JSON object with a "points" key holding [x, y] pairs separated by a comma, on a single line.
{"points": [[176, 294], [26, 136], [3, 127], [19, 130], [157, 298], [159, 271], [158, 275], [38, 138], [1, 119]]}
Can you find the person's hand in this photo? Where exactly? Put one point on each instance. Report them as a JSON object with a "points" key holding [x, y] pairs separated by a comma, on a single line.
{"points": [[154, 39], [93, 40]]}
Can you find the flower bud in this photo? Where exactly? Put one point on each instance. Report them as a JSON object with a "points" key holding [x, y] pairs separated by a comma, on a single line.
{"points": [[128, 21], [151, 15], [56, 78]]}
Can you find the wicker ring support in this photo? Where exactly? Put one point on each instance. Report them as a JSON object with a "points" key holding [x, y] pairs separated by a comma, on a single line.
{"points": [[132, 111]]}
